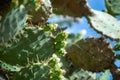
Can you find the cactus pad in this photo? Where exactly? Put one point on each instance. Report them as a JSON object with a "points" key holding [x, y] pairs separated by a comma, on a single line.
{"points": [[105, 24], [32, 45], [12, 24], [92, 54], [43, 13], [82, 75], [113, 6], [36, 71]]}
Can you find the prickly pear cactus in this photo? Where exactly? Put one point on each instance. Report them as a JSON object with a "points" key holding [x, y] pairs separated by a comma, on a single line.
{"points": [[35, 52], [12, 24], [31, 52], [46, 70], [105, 24], [93, 54], [38, 10], [113, 6], [33, 42], [36, 71]]}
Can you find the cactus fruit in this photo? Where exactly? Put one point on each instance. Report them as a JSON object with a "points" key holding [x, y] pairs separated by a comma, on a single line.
{"points": [[113, 6], [60, 52], [56, 71], [93, 54], [50, 27], [107, 25], [60, 43], [12, 24], [61, 36], [32, 45]]}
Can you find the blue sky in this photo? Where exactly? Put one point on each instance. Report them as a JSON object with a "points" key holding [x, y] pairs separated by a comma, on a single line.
{"points": [[97, 4]]}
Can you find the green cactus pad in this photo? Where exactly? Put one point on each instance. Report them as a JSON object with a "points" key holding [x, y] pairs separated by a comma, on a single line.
{"points": [[32, 45], [113, 6], [105, 24], [40, 71], [13, 23], [82, 75], [36, 71], [93, 54]]}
